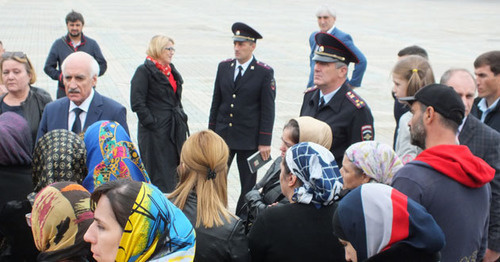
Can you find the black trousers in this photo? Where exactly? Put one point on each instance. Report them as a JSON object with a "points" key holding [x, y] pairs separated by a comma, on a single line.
{"points": [[247, 179]]}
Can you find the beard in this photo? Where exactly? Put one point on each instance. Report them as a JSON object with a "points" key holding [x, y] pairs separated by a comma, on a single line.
{"points": [[77, 34], [418, 134]]}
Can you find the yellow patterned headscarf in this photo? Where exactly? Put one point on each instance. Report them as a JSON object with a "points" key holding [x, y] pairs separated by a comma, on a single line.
{"points": [[156, 230]]}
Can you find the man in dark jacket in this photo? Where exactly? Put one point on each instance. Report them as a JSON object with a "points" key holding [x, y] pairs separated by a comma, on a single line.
{"points": [[242, 110], [72, 42], [487, 105], [446, 178], [483, 142], [332, 101], [82, 106]]}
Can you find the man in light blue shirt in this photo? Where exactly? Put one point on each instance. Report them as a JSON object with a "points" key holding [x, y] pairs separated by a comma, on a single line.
{"points": [[487, 105]]}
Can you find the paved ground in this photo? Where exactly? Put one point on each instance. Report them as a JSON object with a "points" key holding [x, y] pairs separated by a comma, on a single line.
{"points": [[454, 32]]}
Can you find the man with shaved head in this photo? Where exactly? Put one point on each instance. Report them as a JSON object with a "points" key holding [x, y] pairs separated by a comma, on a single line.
{"points": [[82, 105]]}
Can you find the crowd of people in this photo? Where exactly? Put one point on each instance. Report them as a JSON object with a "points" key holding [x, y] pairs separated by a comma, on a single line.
{"points": [[74, 187]]}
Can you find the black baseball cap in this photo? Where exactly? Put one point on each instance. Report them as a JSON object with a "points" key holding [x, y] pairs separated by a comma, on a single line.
{"points": [[443, 99]]}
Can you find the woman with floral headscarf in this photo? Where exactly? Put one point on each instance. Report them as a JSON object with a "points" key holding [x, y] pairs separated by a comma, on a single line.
{"points": [[369, 161], [111, 155], [302, 230], [375, 222], [134, 221], [60, 217]]}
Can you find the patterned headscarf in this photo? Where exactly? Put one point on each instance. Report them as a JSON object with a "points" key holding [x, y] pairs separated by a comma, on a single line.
{"points": [[375, 216], [376, 160], [60, 217], [111, 155], [156, 230], [59, 155], [316, 167], [15, 140]]}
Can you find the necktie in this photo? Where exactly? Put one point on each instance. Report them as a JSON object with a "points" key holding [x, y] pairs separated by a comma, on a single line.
{"points": [[238, 76], [77, 125], [321, 103]]}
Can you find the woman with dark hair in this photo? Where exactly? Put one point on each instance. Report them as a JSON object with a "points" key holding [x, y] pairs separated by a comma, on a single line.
{"points": [[202, 196], [28, 101], [375, 222], [155, 95], [134, 221], [267, 191], [111, 155], [301, 230], [60, 217]]}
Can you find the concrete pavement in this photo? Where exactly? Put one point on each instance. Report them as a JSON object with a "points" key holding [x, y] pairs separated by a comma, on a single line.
{"points": [[453, 32]]}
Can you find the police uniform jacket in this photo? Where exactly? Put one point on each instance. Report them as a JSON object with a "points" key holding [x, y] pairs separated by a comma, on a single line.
{"points": [[243, 114], [346, 113]]}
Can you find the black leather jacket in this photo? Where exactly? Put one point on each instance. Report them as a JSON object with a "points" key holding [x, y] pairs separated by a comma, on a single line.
{"points": [[224, 243], [257, 201]]}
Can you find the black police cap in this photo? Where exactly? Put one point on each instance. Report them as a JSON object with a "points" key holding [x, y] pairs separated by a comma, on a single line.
{"points": [[331, 49], [243, 32]]}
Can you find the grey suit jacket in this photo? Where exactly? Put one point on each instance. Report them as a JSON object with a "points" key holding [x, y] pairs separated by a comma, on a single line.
{"points": [[484, 142]]}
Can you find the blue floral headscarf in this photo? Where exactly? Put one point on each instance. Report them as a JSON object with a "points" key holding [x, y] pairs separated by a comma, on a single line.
{"points": [[111, 155], [316, 167]]}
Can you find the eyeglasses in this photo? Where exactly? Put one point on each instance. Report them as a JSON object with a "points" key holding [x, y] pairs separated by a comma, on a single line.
{"points": [[28, 219], [13, 54], [171, 49]]}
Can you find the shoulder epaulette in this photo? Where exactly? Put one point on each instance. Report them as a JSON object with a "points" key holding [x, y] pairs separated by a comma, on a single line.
{"points": [[355, 99], [310, 89], [227, 60], [266, 66]]}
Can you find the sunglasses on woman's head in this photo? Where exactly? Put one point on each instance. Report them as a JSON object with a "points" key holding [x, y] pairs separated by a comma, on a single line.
{"points": [[13, 54]]}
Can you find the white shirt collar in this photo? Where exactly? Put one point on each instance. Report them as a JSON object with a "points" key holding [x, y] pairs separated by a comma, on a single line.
{"points": [[244, 66], [331, 29], [85, 105], [485, 109]]}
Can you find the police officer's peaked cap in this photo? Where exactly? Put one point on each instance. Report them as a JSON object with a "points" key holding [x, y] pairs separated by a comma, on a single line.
{"points": [[331, 49], [243, 32]]}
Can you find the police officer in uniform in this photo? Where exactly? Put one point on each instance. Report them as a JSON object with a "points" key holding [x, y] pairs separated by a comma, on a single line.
{"points": [[332, 101], [242, 110]]}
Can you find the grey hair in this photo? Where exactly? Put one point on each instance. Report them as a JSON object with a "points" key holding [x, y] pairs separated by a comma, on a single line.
{"points": [[340, 64], [450, 72], [94, 66], [326, 9]]}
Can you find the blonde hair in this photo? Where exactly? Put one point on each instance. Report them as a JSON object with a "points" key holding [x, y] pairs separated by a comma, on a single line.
{"points": [[156, 45], [203, 154], [416, 70], [27, 64]]}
